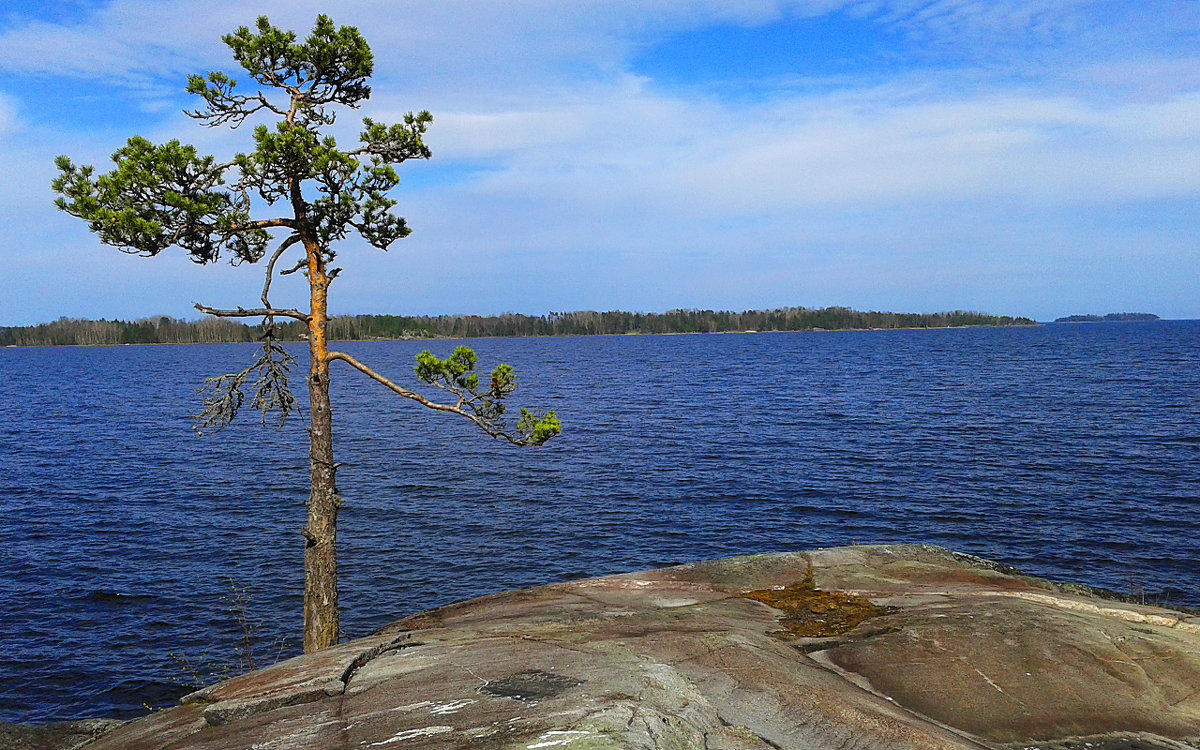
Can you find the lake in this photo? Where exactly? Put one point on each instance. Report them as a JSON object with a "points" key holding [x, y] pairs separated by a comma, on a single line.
{"points": [[1068, 451]]}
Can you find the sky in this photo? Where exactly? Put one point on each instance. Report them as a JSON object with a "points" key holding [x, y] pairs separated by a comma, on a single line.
{"points": [[1019, 157]]}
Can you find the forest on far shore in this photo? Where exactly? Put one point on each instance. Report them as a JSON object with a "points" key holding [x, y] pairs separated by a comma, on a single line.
{"points": [[209, 330]]}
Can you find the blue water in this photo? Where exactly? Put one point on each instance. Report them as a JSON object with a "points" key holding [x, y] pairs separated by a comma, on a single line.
{"points": [[1068, 451]]}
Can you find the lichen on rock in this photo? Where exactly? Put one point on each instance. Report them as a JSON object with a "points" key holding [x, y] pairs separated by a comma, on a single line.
{"points": [[809, 612]]}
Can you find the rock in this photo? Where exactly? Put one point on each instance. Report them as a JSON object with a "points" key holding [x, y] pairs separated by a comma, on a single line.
{"points": [[65, 735], [896, 648]]}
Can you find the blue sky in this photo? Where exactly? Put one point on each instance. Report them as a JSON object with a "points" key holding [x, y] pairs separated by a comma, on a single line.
{"points": [[1030, 157]]}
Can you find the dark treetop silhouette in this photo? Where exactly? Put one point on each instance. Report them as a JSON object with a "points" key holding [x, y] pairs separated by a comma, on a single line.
{"points": [[168, 195]]}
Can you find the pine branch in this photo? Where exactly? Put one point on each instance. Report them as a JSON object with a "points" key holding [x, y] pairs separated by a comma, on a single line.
{"points": [[530, 430]]}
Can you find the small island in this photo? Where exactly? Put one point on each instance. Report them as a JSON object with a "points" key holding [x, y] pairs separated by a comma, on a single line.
{"points": [[1110, 318]]}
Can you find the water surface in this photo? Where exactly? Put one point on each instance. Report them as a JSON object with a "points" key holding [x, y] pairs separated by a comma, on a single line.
{"points": [[1069, 451]]}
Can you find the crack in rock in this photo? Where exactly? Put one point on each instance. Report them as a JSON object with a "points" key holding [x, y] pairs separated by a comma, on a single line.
{"points": [[221, 712], [362, 659], [235, 709]]}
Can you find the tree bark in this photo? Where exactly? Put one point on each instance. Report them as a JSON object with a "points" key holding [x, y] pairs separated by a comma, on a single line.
{"points": [[321, 622]]}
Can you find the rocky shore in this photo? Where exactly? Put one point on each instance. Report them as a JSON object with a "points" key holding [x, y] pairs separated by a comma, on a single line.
{"points": [[873, 648]]}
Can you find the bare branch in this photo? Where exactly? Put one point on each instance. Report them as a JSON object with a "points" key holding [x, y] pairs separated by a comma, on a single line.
{"points": [[399, 390], [292, 240], [236, 114], [261, 224], [300, 264], [264, 103], [242, 312]]}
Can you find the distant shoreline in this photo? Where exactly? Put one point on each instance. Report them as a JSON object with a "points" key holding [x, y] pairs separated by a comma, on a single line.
{"points": [[166, 330], [526, 336]]}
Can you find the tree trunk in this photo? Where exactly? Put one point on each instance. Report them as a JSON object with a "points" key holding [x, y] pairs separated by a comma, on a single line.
{"points": [[320, 550]]}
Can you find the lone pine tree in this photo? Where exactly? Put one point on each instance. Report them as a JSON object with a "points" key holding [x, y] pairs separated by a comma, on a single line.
{"points": [[310, 194]]}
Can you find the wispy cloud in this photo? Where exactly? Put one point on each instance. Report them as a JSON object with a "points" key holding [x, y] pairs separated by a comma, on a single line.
{"points": [[841, 148], [132, 37], [1021, 141]]}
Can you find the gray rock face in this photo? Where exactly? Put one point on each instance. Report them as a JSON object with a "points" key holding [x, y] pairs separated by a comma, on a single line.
{"points": [[65, 735], [872, 648]]}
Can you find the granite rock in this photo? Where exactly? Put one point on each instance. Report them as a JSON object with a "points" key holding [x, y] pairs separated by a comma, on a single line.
{"points": [[63, 735], [873, 648]]}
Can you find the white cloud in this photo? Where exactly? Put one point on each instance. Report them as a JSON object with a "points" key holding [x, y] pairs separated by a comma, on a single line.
{"points": [[465, 42], [627, 145], [607, 189]]}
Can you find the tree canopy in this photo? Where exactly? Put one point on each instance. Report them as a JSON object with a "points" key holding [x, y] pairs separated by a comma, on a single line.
{"points": [[169, 195], [296, 190]]}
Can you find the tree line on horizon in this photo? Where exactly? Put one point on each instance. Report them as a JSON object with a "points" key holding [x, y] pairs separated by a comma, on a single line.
{"points": [[210, 330]]}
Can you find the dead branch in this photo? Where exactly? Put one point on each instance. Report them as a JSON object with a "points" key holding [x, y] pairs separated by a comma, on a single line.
{"points": [[292, 240], [300, 264], [260, 224], [271, 392], [242, 312]]}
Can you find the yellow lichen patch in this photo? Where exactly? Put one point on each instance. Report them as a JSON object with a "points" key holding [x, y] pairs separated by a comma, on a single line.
{"points": [[809, 612]]}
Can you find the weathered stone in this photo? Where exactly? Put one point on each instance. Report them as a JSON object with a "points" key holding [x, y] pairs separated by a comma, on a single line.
{"points": [[65, 735], [896, 648], [1114, 741]]}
